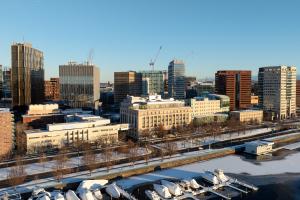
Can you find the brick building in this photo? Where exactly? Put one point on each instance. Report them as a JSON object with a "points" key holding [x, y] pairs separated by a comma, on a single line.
{"points": [[52, 92], [6, 132], [235, 84]]}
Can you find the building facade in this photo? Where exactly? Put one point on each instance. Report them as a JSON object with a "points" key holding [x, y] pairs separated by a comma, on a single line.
{"points": [[52, 89], [152, 82], [277, 91], [39, 115], [176, 79], [6, 86], [80, 85], [125, 84], [203, 106], [236, 85], [86, 128], [298, 94], [248, 115], [146, 114], [254, 100], [27, 68], [7, 131]]}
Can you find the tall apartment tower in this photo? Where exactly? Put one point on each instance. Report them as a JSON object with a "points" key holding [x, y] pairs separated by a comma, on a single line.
{"points": [[277, 91], [176, 79], [6, 92], [52, 91], [125, 83], [27, 66], [298, 94], [236, 85], [6, 132], [1, 82], [80, 84]]}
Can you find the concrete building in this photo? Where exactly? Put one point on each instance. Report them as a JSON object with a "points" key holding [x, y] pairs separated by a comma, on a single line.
{"points": [[85, 127], [153, 112], [204, 106], [6, 83], [277, 91], [176, 79], [298, 94], [258, 147], [39, 115], [248, 115], [80, 85], [205, 87], [7, 131], [236, 85], [254, 100], [27, 65], [52, 89], [125, 83]]}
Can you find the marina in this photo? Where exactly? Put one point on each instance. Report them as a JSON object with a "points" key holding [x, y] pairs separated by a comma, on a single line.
{"points": [[210, 182]]}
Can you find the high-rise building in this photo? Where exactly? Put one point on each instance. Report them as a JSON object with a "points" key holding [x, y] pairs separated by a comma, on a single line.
{"points": [[79, 84], [125, 83], [235, 84], [6, 132], [152, 82], [52, 91], [27, 66], [176, 79], [1, 82], [298, 93], [277, 91], [6, 83]]}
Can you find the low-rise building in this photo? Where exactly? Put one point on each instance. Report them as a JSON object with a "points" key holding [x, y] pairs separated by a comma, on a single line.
{"points": [[39, 115], [6, 132], [254, 100], [258, 147], [203, 106], [152, 112], [80, 127], [248, 115]]}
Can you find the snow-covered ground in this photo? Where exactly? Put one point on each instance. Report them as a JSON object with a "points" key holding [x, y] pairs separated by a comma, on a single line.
{"points": [[84, 175], [192, 143], [230, 164], [271, 139], [41, 167], [292, 146]]}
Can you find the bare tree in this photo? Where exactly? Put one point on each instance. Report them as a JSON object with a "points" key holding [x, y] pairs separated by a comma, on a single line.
{"points": [[20, 137], [89, 159], [170, 147], [43, 159], [133, 152], [17, 174], [147, 153], [107, 157], [59, 169]]}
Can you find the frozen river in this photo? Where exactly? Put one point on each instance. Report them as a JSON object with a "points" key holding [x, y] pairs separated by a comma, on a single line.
{"points": [[230, 164]]}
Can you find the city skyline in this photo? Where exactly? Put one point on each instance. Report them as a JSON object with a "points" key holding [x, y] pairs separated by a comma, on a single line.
{"points": [[207, 36]]}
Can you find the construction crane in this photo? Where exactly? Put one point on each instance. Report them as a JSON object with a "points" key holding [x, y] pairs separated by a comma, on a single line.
{"points": [[152, 61]]}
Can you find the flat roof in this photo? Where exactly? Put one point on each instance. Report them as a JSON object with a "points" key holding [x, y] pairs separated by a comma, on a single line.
{"points": [[249, 110], [259, 143]]}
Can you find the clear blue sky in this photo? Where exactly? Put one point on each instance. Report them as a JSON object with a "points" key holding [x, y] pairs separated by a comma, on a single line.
{"points": [[208, 35]]}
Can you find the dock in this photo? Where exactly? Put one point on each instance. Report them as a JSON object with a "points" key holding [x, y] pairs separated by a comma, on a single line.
{"points": [[246, 185], [126, 194]]}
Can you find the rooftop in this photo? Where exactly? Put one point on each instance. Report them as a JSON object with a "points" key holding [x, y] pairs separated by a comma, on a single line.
{"points": [[248, 110]]}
